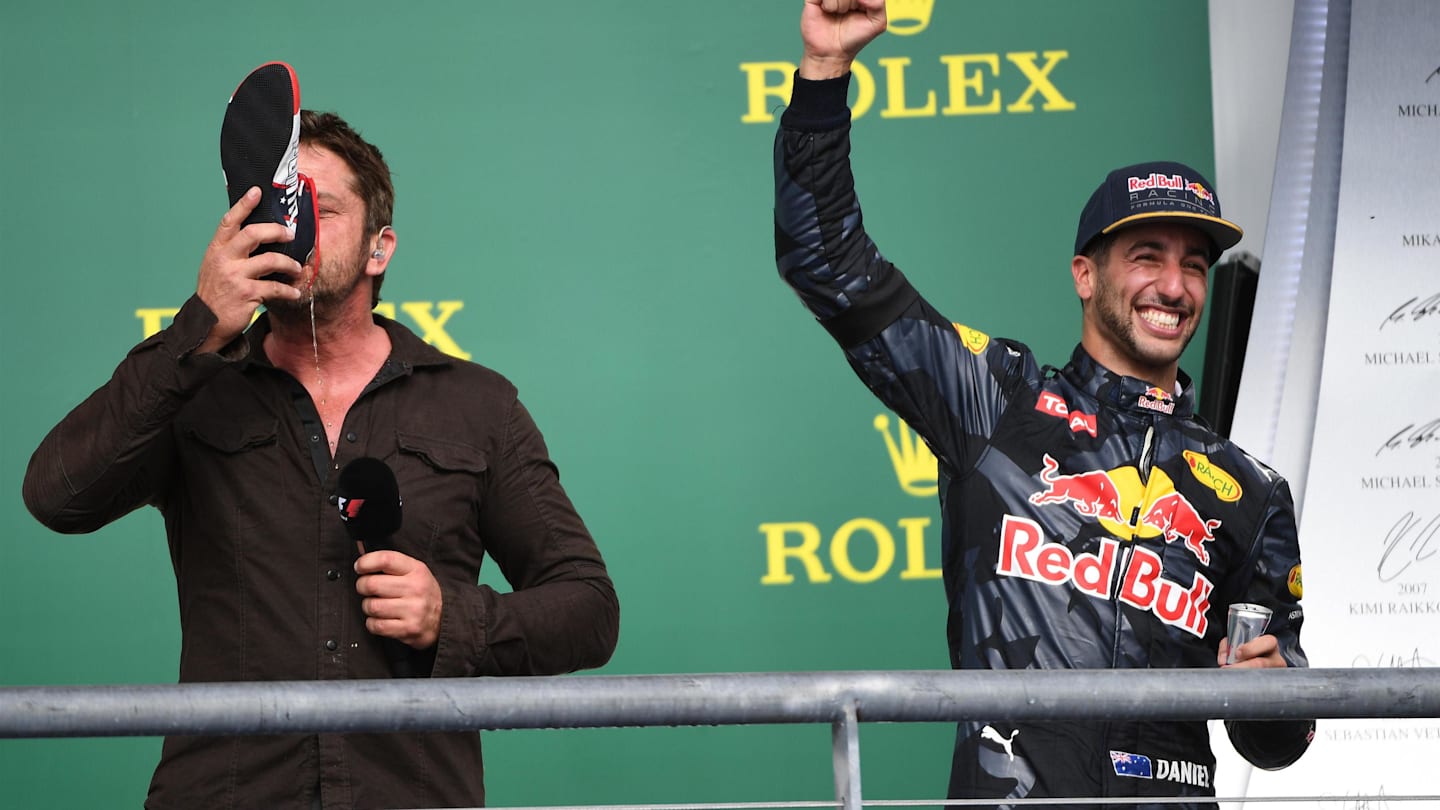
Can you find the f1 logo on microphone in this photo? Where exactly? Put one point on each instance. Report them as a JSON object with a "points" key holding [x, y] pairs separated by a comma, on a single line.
{"points": [[350, 507]]}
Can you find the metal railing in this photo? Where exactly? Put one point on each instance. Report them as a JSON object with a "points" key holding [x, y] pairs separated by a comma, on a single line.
{"points": [[842, 699]]}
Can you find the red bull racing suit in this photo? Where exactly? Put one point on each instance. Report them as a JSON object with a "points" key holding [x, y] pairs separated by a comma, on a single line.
{"points": [[1090, 520]]}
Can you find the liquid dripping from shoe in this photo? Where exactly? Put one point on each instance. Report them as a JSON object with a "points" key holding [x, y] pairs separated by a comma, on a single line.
{"points": [[315, 348]]}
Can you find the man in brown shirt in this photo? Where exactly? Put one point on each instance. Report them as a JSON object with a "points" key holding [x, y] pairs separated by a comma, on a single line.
{"points": [[238, 435]]}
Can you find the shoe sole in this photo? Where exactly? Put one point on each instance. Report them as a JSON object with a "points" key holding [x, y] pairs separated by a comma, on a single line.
{"points": [[260, 147]]}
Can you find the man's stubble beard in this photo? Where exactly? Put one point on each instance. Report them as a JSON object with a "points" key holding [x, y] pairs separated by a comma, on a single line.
{"points": [[1114, 315], [332, 286]]}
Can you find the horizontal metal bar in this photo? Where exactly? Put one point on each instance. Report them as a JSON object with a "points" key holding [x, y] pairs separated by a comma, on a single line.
{"points": [[1348, 800], [460, 704]]}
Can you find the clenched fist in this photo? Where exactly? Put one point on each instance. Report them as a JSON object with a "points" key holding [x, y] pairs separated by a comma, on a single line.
{"points": [[834, 32]]}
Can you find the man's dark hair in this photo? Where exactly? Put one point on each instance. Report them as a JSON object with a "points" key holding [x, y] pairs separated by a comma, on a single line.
{"points": [[1098, 251], [372, 174], [1099, 248]]}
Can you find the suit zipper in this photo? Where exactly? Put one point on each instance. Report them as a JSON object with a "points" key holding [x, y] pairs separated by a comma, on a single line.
{"points": [[1144, 465]]}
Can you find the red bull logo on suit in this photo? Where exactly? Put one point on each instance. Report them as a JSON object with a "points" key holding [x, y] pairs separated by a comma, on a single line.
{"points": [[1127, 508], [1025, 554]]}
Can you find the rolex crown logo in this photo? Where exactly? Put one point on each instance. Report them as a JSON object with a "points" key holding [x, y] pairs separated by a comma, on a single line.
{"points": [[915, 466], [908, 17]]}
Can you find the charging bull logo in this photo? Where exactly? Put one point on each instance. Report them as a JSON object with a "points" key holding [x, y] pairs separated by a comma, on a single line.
{"points": [[1126, 507], [1093, 494], [1172, 514]]}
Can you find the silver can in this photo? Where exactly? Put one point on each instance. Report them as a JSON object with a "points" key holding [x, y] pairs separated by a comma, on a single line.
{"points": [[1244, 624]]}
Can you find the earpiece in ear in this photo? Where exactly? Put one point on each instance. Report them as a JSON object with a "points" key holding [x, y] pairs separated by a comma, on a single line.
{"points": [[377, 253]]}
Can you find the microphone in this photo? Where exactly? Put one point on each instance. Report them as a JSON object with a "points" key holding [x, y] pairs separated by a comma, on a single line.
{"points": [[369, 501], [368, 498]]}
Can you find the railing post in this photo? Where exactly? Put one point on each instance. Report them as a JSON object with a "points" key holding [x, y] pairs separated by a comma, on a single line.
{"points": [[845, 734]]}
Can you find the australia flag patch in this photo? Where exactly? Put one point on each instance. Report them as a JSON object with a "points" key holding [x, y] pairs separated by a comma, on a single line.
{"points": [[1130, 765]]}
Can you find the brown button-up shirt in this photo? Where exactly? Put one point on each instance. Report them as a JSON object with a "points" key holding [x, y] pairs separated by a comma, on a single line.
{"points": [[231, 450]]}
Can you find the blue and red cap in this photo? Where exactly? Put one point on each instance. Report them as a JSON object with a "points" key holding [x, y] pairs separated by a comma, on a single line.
{"points": [[1161, 191]]}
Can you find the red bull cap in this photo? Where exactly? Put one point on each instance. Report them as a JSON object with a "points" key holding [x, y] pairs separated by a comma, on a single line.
{"points": [[1161, 191]]}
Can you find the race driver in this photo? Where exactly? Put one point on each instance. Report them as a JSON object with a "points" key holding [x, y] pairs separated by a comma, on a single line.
{"points": [[1090, 519]]}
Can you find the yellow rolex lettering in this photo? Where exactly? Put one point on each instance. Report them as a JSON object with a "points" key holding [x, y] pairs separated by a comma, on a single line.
{"points": [[758, 90], [777, 553], [1039, 81], [429, 316], [802, 542], [433, 328], [895, 92], [964, 83], [153, 319], [769, 85], [915, 549], [884, 546]]}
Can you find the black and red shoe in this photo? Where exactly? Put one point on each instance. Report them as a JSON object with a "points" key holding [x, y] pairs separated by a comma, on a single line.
{"points": [[260, 146]]}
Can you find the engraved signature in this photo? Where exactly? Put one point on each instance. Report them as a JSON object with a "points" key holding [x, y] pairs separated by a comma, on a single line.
{"points": [[1411, 437], [1358, 801], [1407, 543], [1376, 802], [1393, 660], [1413, 310]]}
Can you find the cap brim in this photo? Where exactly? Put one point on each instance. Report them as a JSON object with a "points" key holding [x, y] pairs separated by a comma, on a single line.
{"points": [[1224, 233]]}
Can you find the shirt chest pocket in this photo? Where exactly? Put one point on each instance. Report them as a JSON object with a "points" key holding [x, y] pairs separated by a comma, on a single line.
{"points": [[230, 437], [442, 484], [233, 470], [242, 452]]}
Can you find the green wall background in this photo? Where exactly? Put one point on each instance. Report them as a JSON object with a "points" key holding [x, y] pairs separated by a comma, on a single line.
{"points": [[579, 177]]}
